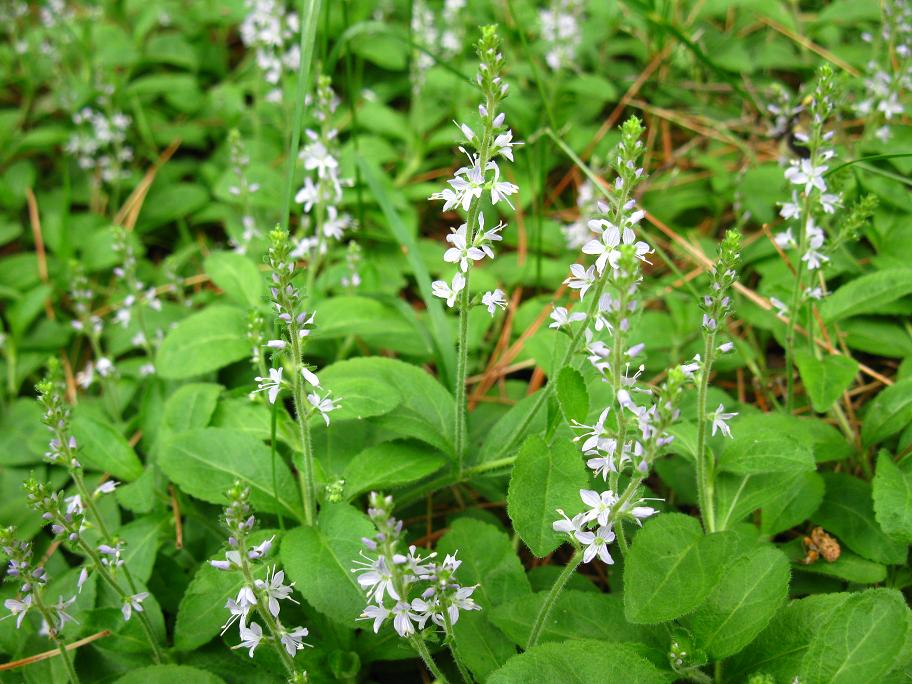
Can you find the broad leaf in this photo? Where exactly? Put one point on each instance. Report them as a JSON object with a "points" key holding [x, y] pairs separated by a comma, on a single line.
{"points": [[760, 451], [671, 568], [825, 379], [483, 647], [238, 276], [191, 406], [103, 448], [890, 412], [792, 504], [751, 591], [206, 462], [867, 293], [487, 559], [544, 479], [861, 641], [390, 465], [320, 561], [203, 342], [572, 394], [892, 490], [580, 662], [169, 674], [848, 513]]}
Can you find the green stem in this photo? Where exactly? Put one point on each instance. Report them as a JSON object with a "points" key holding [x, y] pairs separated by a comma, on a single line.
{"points": [[552, 597], [793, 311], [419, 646], [451, 643], [704, 460], [306, 473], [53, 635]]}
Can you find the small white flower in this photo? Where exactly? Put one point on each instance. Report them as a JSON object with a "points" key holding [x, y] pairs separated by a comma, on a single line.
{"points": [[726, 347], [581, 278], [568, 525], [494, 299], [719, 418], [376, 579], [19, 608], [560, 317], [292, 641], [599, 505], [779, 305], [133, 603], [402, 619], [260, 550], [377, 613], [441, 289], [250, 637], [597, 544], [323, 404], [310, 377], [275, 590], [106, 487], [805, 173], [270, 385], [460, 252], [790, 210]]}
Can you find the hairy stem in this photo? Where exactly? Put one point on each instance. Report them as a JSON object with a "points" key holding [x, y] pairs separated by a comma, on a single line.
{"points": [[704, 457], [552, 597]]}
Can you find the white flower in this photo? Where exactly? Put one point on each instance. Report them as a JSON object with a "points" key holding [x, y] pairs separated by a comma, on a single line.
{"points": [[83, 576], [461, 252], [292, 641], [106, 487], [275, 589], [599, 505], [133, 603], [441, 289], [779, 305], [377, 613], [494, 299], [323, 404], [718, 421], [317, 156], [580, 278], [307, 195], [596, 544], [250, 637], [270, 385], [805, 173], [790, 210], [785, 239], [376, 579], [561, 317], [104, 367], [310, 377], [260, 550], [402, 619], [726, 347], [829, 202], [239, 607], [232, 557], [503, 144], [60, 609], [605, 246], [501, 190], [595, 434], [19, 608], [568, 525]]}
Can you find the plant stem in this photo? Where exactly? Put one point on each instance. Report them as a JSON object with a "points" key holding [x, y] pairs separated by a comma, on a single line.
{"points": [[306, 473], [451, 643], [793, 311], [54, 636], [552, 597], [705, 468], [419, 646]]}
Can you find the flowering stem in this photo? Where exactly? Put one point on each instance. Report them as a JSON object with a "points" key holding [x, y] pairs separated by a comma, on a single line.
{"points": [[552, 596], [484, 153], [109, 578], [703, 458], [793, 311], [54, 636], [419, 645], [306, 474], [451, 643], [263, 611]]}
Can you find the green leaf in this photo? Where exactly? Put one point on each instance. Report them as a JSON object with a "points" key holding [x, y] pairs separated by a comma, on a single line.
{"points": [[792, 504], [892, 491], [483, 647], [206, 462], [848, 566], [202, 611], [888, 413], [576, 615], [320, 561], [671, 568], [780, 648], [825, 379], [572, 394], [103, 448], [142, 538], [237, 275], [203, 342], [505, 429], [23, 439], [580, 662], [760, 450], [847, 512], [169, 674], [737, 496], [362, 397], [867, 293], [487, 559], [751, 591], [544, 479], [191, 406], [860, 642], [390, 465], [426, 409]]}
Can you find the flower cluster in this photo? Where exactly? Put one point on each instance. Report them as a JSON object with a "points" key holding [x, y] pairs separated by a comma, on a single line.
{"points": [[889, 78], [560, 31], [272, 32], [321, 193], [578, 232], [32, 579], [139, 297], [442, 35], [472, 241], [296, 325], [812, 198], [99, 142], [242, 189], [261, 597], [410, 588], [91, 326]]}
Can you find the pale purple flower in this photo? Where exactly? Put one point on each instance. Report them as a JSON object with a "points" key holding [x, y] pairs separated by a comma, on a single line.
{"points": [[494, 299], [133, 603], [271, 385], [560, 317], [442, 289], [596, 544], [250, 637], [719, 418]]}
